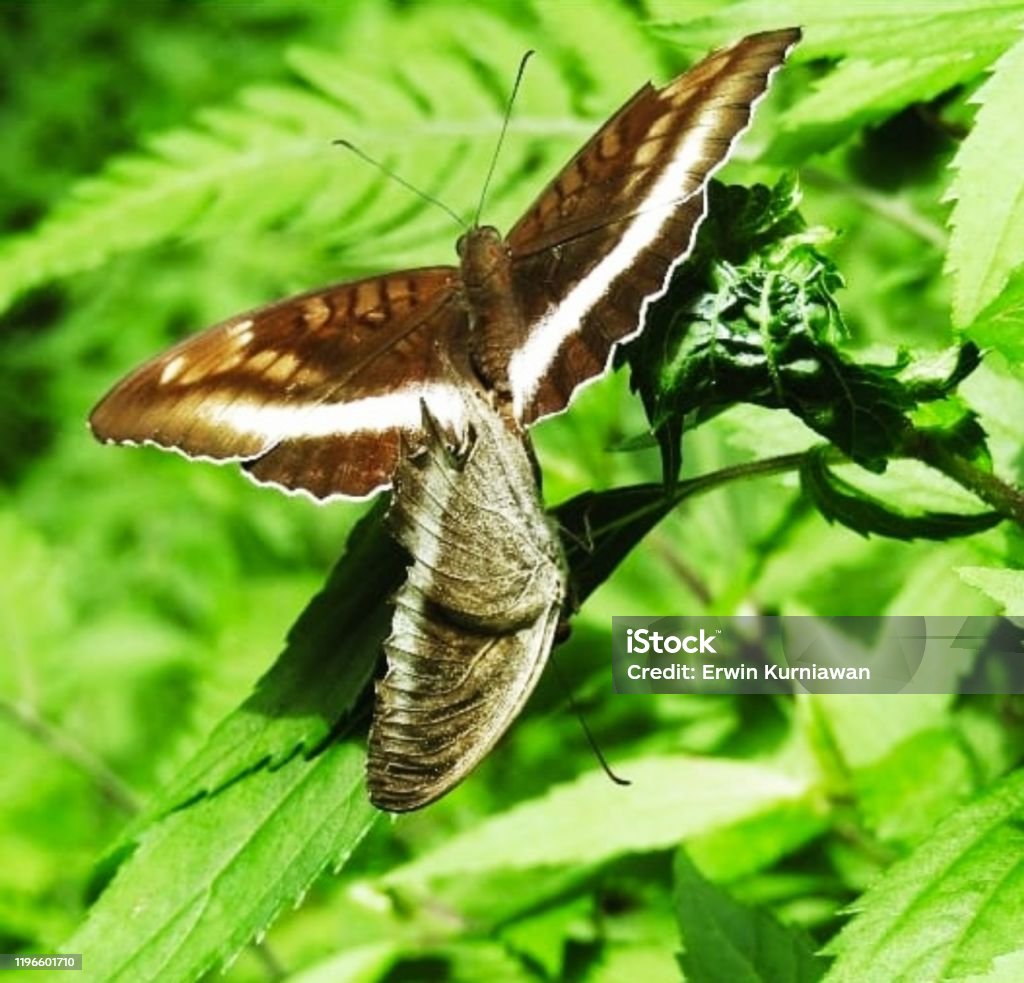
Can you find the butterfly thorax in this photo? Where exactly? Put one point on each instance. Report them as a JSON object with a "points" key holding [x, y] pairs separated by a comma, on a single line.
{"points": [[492, 304]]}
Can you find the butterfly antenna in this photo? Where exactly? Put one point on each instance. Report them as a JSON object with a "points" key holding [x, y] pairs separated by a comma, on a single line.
{"points": [[501, 136], [401, 180], [575, 707]]}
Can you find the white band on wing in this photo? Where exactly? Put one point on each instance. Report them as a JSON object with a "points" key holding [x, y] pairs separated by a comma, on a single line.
{"points": [[529, 364], [370, 414]]}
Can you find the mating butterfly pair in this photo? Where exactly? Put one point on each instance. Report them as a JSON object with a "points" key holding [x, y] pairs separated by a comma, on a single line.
{"points": [[324, 393]]}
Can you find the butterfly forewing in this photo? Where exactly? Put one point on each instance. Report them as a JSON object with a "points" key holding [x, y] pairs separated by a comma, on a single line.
{"points": [[333, 375], [604, 236], [348, 442]]}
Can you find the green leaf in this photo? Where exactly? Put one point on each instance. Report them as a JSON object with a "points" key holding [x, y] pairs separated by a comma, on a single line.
{"points": [[934, 377], [1006, 587], [986, 244], [545, 932], [998, 398], [949, 909], [1001, 324], [332, 651], [873, 31], [839, 501], [387, 961], [633, 961], [266, 162], [952, 425], [899, 761], [753, 318], [859, 93], [902, 796], [725, 942], [207, 879], [863, 735], [600, 528], [671, 798], [362, 964], [892, 56], [1005, 969], [468, 962], [757, 842], [249, 803]]}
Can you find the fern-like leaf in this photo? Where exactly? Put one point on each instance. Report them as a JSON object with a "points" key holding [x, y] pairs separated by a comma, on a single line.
{"points": [[987, 244], [266, 161], [902, 54]]}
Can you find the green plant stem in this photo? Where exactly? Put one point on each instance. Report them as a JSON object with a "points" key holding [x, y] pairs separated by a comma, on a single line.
{"points": [[705, 483], [886, 206], [736, 472], [268, 960], [1004, 498], [65, 746]]}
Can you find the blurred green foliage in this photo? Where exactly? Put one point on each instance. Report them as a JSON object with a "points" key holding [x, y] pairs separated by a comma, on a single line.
{"points": [[166, 164]]}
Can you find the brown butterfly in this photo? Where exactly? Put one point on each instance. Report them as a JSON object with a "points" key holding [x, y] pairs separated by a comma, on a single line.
{"points": [[476, 618], [315, 393]]}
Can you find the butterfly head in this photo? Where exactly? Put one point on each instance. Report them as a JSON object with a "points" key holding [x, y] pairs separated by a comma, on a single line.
{"points": [[486, 265], [478, 241]]}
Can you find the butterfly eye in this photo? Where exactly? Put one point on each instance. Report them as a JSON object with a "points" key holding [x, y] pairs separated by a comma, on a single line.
{"points": [[460, 244]]}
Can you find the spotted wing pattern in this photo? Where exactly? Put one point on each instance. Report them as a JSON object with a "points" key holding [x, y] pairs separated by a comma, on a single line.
{"points": [[312, 392], [602, 239], [476, 618]]}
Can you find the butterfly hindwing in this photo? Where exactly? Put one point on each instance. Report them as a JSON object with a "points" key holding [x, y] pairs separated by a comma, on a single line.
{"points": [[602, 239], [334, 374]]}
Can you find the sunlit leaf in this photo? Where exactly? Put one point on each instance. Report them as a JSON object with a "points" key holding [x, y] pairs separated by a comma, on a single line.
{"points": [[1004, 586], [969, 874], [724, 941], [247, 853], [840, 501], [669, 800], [986, 244], [1001, 324]]}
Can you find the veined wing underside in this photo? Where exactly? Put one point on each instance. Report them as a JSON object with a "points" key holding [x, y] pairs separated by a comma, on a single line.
{"points": [[476, 618]]}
